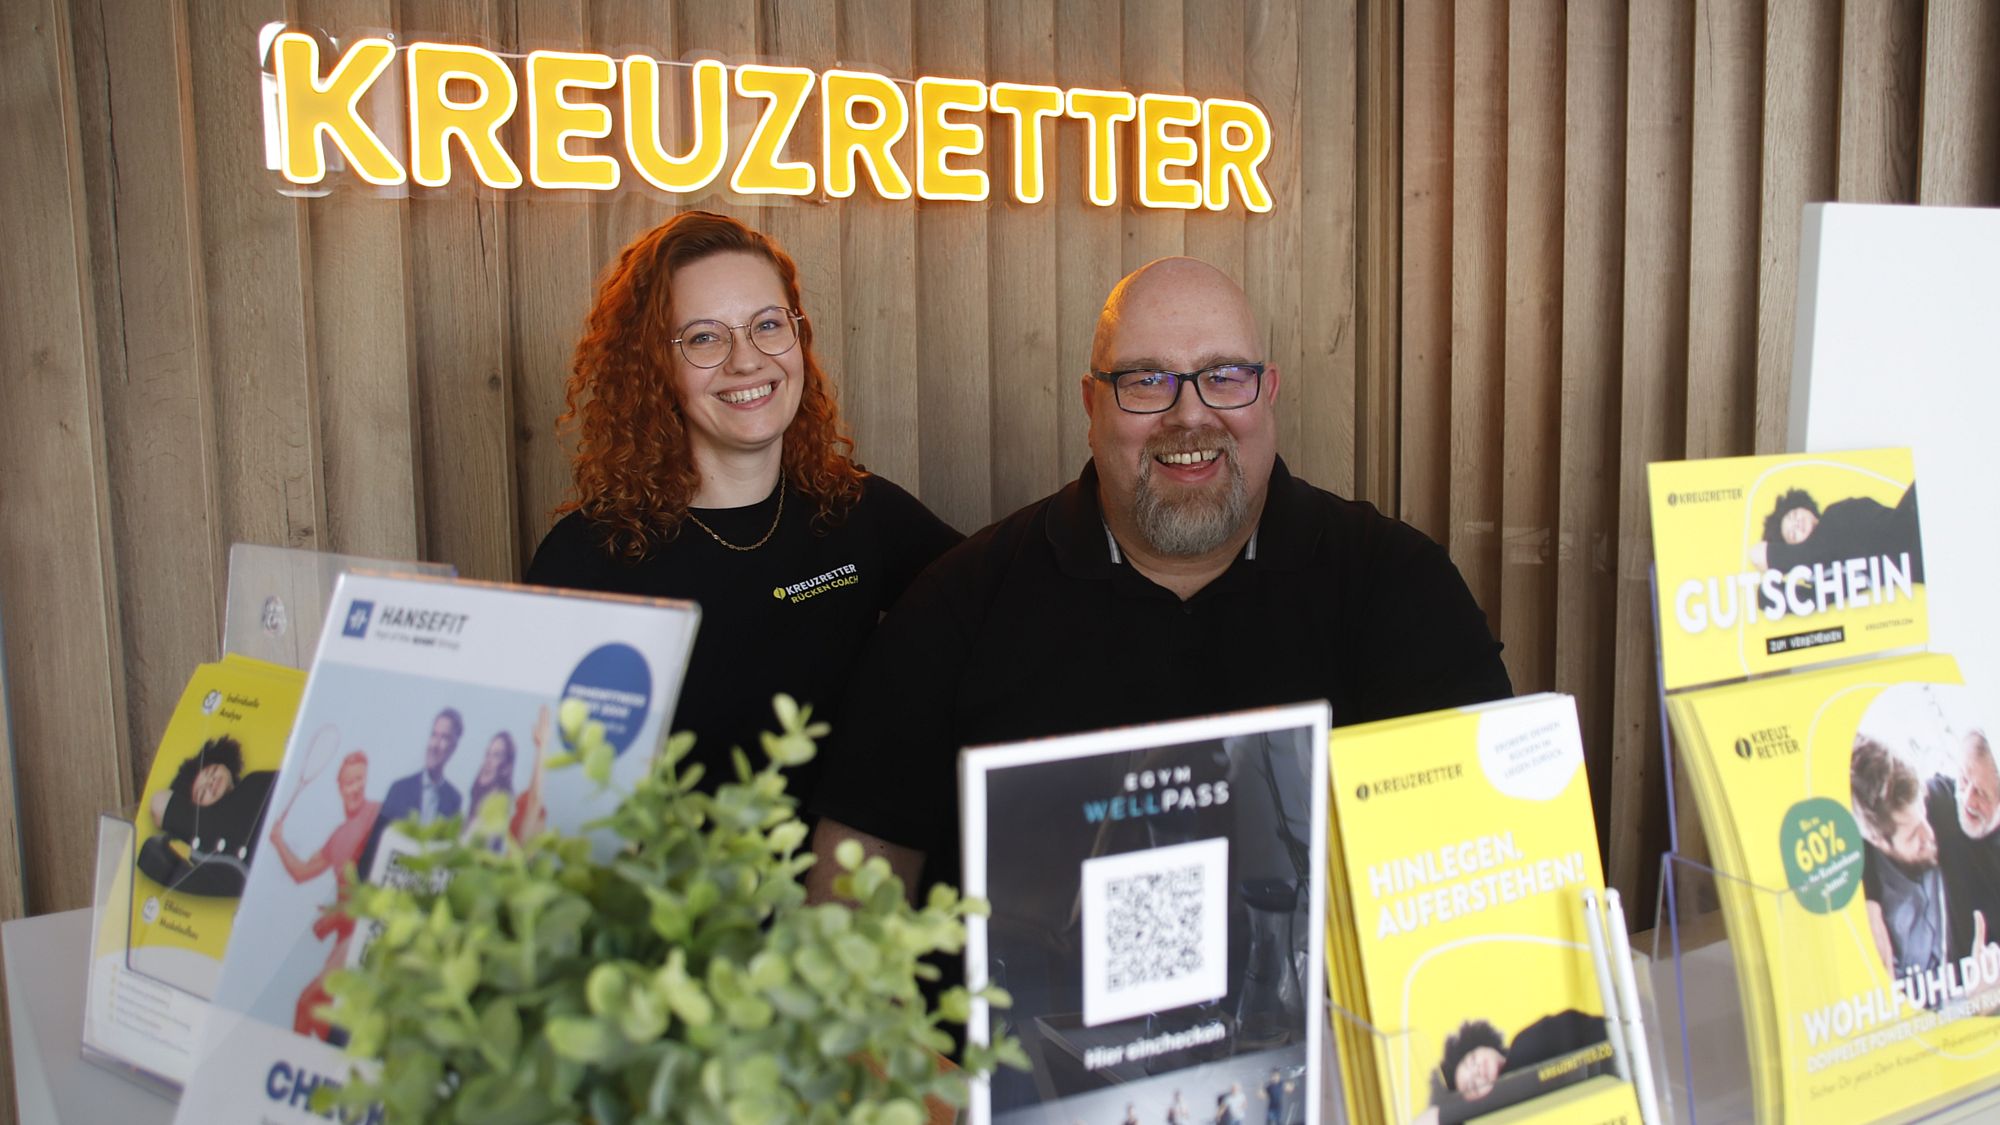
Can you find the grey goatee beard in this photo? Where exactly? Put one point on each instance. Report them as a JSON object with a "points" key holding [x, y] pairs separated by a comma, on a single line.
{"points": [[1183, 523]]}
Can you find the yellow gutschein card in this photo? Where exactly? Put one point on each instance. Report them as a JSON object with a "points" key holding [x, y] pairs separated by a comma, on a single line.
{"points": [[201, 814], [1769, 563], [1860, 806]]}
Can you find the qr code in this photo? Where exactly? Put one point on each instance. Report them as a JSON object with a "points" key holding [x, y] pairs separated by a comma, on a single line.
{"points": [[1152, 926], [1155, 930]]}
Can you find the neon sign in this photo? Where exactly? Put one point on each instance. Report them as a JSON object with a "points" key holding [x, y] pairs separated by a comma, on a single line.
{"points": [[1189, 153]]}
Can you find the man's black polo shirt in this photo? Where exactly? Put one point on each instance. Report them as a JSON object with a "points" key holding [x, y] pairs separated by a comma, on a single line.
{"points": [[1036, 627]]}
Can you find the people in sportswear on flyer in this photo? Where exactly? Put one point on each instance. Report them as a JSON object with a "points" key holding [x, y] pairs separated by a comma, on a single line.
{"points": [[711, 465], [337, 855], [1905, 888], [496, 773], [1186, 572]]}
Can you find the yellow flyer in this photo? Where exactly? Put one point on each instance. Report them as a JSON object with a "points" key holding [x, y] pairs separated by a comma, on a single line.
{"points": [[1466, 842], [1861, 807], [201, 813], [1770, 563]]}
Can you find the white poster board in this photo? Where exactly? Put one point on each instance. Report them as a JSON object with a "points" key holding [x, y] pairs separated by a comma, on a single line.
{"points": [[1898, 343]]}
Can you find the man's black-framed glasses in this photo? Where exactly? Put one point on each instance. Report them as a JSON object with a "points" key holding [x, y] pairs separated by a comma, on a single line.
{"points": [[706, 343], [1225, 386]]}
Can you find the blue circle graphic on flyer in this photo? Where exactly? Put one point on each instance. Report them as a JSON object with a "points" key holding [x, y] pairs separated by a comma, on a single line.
{"points": [[617, 685]]}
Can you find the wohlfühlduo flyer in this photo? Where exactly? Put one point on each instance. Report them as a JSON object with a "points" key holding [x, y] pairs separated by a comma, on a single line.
{"points": [[1858, 809], [427, 699]]}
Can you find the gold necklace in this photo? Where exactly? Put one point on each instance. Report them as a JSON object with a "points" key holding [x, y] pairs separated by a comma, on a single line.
{"points": [[758, 543]]}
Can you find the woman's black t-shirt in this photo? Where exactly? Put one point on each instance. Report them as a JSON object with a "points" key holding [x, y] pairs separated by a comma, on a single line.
{"points": [[789, 616]]}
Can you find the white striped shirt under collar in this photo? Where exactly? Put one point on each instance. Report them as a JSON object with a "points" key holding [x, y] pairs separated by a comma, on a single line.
{"points": [[1118, 557]]}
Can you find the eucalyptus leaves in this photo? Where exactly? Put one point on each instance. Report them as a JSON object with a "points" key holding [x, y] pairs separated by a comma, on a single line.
{"points": [[686, 980]]}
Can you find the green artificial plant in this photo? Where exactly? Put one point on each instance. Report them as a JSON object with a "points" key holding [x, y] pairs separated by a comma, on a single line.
{"points": [[685, 979]]}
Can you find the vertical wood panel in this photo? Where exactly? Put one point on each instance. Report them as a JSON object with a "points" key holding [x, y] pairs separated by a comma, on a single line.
{"points": [[1653, 406], [806, 33], [1533, 340], [1592, 352], [1801, 106], [1425, 470], [726, 29], [253, 253], [365, 362], [1378, 187], [12, 875], [879, 272], [1315, 419], [1089, 34], [1960, 156], [955, 404], [1212, 65], [1031, 388], [1154, 63], [1478, 295], [458, 239], [58, 592], [619, 28], [1722, 289], [150, 315], [1881, 74], [550, 267]]}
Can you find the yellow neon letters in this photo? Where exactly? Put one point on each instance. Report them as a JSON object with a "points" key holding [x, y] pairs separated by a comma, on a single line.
{"points": [[645, 112], [846, 138], [1187, 152], [760, 172], [939, 139], [1104, 109], [553, 120], [1027, 105], [1235, 138], [436, 117], [1159, 151], [308, 107]]}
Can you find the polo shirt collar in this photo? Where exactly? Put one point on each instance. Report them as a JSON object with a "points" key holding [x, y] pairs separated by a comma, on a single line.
{"points": [[1084, 547]]}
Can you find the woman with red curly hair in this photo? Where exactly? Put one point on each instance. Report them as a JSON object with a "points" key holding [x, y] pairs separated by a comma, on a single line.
{"points": [[711, 465]]}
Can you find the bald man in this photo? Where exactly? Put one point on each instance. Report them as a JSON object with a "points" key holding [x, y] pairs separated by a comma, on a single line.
{"points": [[1185, 572]]}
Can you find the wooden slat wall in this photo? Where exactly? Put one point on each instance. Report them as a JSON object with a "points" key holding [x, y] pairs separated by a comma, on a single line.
{"points": [[1665, 148], [1518, 251]]}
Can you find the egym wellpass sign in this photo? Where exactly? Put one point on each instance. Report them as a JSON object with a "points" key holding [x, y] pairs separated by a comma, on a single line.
{"points": [[1188, 152]]}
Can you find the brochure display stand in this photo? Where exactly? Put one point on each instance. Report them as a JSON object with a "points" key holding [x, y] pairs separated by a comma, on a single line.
{"points": [[138, 1025], [278, 598], [143, 1007], [1823, 960]]}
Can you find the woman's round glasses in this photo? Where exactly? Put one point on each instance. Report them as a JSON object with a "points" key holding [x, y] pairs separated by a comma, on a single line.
{"points": [[707, 343]]}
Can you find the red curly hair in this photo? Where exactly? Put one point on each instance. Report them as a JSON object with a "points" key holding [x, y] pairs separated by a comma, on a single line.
{"points": [[634, 472]]}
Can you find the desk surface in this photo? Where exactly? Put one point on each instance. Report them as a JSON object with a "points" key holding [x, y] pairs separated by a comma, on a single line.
{"points": [[47, 958]]}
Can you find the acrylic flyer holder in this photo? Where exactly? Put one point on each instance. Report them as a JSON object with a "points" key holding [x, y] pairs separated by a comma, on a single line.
{"points": [[278, 598], [1694, 979], [135, 1023], [1344, 1027], [1695, 998]]}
